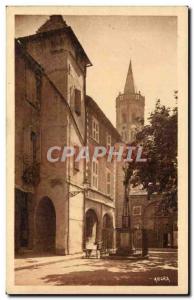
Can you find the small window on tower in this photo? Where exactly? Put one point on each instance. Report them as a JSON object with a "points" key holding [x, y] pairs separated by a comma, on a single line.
{"points": [[124, 117], [78, 102]]}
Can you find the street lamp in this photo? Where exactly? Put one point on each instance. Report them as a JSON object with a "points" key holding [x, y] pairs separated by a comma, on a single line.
{"points": [[83, 189]]}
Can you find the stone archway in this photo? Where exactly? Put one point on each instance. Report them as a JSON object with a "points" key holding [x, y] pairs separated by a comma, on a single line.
{"points": [[45, 226], [91, 226], [158, 226], [149, 225], [107, 232]]}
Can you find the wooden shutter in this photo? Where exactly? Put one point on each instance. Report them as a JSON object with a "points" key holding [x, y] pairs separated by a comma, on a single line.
{"points": [[78, 102]]}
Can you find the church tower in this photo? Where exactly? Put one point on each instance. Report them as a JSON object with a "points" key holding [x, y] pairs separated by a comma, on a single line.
{"points": [[129, 109]]}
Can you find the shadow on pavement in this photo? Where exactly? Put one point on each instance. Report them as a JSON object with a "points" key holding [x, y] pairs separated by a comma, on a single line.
{"points": [[105, 277]]}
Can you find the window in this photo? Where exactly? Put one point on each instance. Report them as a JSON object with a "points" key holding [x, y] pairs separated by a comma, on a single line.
{"points": [[108, 182], [56, 44], [124, 117], [95, 130], [78, 102], [136, 210], [108, 140], [38, 88], [95, 174], [69, 69]]}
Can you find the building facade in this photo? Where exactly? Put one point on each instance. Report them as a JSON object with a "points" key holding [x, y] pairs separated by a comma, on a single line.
{"points": [[50, 111], [101, 194], [160, 226], [53, 210]]}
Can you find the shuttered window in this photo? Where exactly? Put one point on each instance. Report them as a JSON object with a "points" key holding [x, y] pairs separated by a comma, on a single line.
{"points": [[95, 129], [78, 102], [95, 174]]}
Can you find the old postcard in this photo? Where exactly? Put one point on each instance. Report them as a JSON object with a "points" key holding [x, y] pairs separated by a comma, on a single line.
{"points": [[97, 143]]}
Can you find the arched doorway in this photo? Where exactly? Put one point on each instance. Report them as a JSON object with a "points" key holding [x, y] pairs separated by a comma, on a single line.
{"points": [[91, 224], [107, 232], [149, 224], [45, 226], [158, 226]]}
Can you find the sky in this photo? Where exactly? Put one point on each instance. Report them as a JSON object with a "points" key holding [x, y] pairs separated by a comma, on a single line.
{"points": [[110, 42]]}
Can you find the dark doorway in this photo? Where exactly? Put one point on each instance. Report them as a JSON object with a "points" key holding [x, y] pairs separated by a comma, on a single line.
{"points": [[165, 240], [107, 232], [91, 227], [45, 226], [21, 220]]}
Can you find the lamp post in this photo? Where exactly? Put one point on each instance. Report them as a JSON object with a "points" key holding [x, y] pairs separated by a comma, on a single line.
{"points": [[125, 232]]}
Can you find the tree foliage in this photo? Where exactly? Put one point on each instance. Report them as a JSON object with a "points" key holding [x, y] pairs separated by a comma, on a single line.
{"points": [[159, 142]]}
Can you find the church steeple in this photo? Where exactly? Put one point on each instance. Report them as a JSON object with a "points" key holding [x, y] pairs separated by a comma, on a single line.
{"points": [[129, 109], [129, 84]]}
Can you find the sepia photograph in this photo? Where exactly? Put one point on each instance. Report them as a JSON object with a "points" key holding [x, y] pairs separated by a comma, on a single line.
{"points": [[97, 132]]}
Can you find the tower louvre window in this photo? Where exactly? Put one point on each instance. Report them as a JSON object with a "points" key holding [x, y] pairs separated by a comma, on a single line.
{"points": [[124, 117], [78, 102]]}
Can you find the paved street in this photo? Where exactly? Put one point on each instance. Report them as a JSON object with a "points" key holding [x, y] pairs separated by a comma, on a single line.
{"points": [[160, 269]]}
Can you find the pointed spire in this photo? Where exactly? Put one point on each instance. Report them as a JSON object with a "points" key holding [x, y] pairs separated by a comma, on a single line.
{"points": [[129, 84]]}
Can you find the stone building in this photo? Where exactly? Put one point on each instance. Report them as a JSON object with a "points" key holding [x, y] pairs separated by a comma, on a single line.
{"points": [[53, 210], [161, 226], [50, 74], [101, 195]]}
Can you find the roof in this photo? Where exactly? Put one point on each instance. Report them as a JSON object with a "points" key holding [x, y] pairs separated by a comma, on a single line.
{"points": [[94, 106], [129, 84], [53, 26], [31, 61]]}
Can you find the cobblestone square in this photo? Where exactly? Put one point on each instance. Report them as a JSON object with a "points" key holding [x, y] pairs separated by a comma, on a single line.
{"points": [[159, 269]]}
